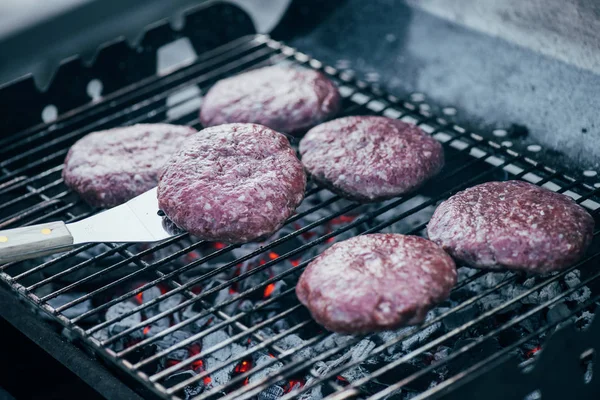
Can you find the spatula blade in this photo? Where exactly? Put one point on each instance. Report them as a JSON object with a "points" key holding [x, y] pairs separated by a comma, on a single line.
{"points": [[135, 221]]}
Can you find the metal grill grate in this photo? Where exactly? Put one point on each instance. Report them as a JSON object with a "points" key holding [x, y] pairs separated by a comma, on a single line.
{"points": [[82, 289]]}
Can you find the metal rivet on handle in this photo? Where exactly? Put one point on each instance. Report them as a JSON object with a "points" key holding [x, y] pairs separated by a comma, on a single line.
{"points": [[46, 231], [3, 239]]}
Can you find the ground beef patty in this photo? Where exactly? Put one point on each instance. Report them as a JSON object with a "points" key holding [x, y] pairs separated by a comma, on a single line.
{"points": [[109, 167], [514, 225], [233, 183], [376, 282], [370, 158], [283, 98]]}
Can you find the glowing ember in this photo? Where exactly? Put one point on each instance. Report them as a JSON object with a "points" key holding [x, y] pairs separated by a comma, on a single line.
{"points": [[330, 240], [196, 365], [293, 384], [246, 381], [308, 235], [232, 290], [343, 219], [532, 352], [206, 380], [242, 367], [269, 289], [139, 298], [295, 263], [192, 256], [146, 330], [171, 363], [273, 255], [194, 349], [341, 380], [219, 245], [196, 289]]}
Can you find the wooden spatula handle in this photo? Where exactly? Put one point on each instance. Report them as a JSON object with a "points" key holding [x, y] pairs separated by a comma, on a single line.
{"points": [[34, 241]]}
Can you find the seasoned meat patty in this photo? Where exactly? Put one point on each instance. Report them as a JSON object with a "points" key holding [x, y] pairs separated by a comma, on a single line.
{"points": [[109, 167], [376, 282], [370, 158], [232, 183], [283, 98], [513, 225]]}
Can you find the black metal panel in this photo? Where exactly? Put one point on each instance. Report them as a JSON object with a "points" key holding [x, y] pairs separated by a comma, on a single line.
{"points": [[117, 65]]}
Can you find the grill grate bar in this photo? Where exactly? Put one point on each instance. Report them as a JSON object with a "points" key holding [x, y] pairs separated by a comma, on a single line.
{"points": [[251, 351], [481, 339], [145, 269], [142, 102], [258, 386], [218, 270], [462, 328], [397, 340], [139, 108], [497, 287], [97, 124], [34, 192], [26, 181], [355, 223], [207, 352], [140, 93], [302, 265], [119, 97], [209, 330], [215, 289], [503, 353]]}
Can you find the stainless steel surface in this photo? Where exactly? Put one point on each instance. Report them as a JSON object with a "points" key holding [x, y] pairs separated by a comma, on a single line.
{"points": [[135, 221]]}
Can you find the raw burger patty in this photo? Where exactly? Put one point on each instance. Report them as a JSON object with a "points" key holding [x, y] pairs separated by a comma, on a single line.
{"points": [[514, 225], [109, 167], [282, 98], [233, 183], [370, 158], [376, 282]]}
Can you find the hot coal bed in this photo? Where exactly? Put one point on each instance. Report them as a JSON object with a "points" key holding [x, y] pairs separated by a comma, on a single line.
{"points": [[196, 319]]}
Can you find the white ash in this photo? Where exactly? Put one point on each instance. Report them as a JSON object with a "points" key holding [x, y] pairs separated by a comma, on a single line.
{"points": [[584, 320], [173, 339], [314, 393], [294, 341], [148, 295], [113, 312], [409, 222], [214, 359], [273, 392], [355, 373], [201, 323], [119, 309], [157, 326], [74, 311], [572, 279], [222, 296], [258, 361], [557, 313], [169, 303], [413, 340], [189, 391], [332, 341]]}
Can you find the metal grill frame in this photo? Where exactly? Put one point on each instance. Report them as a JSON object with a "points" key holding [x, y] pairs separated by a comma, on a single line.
{"points": [[144, 102]]}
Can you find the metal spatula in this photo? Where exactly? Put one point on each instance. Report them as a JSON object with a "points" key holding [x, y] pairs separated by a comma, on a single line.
{"points": [[135, 221]]}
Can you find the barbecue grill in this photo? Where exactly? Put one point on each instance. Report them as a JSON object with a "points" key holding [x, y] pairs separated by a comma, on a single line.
{"points": [[186, 318]]}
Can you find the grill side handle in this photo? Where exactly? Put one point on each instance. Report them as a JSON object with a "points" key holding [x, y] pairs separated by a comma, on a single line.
{"points": [[34, 241]]}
